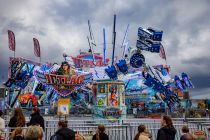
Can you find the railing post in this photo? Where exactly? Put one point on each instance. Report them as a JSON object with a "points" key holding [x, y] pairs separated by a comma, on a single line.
{"points": [[130, 130], [45, 129]]}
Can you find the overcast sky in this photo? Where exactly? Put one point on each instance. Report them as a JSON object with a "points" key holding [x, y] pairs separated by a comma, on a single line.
{"points": [[61, 26]]}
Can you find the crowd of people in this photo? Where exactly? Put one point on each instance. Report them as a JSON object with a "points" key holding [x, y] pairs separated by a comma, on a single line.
{"points": [[35, 129], [166, 132]]}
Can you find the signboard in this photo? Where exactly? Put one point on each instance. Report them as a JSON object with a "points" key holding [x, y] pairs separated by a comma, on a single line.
{"points": [[199, 135], [63, 106], [101, 100], [63, 84], [112, 112]]}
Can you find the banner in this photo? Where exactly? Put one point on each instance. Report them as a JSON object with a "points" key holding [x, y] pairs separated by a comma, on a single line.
{"points": [[36, 48], [63, 106], [162, 53], [11, 37]]}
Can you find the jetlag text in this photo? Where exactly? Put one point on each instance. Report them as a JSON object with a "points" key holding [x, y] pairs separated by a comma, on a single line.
{"points": [[64, 79]]}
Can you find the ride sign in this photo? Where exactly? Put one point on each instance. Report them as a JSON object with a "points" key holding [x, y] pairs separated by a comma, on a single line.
{"points": [[64, 85]]}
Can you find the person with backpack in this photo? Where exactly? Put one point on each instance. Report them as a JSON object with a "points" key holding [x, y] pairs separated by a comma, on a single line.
{"points": [[63, 132]]}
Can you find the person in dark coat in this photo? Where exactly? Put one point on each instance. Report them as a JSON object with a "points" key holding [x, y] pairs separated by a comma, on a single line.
{"points": [[186, 135], [18, 120], [63, 133], [100, 135], [167, 131], [36, 118]]}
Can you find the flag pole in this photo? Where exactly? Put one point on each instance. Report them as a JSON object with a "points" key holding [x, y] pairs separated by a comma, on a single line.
{"points": [[104, 49], [114, 39], [165, 57]]}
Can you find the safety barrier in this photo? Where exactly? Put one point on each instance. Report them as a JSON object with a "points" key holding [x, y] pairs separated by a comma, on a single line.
{"points": [[123, 129]]}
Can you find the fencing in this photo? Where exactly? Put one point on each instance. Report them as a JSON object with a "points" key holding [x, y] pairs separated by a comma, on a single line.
{"points": [[123, 129]]}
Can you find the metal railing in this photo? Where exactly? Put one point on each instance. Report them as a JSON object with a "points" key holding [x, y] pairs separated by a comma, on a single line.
{"points": [[123, 129]]}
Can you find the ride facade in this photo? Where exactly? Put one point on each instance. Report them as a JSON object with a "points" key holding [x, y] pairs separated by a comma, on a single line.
{"points": [[93, 85]]}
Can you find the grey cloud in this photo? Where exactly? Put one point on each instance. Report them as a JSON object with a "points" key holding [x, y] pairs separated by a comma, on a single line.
{"points": [[200, 93], [201, 81], [201, 61], [175, 18], [17, 25], [75, 11]]}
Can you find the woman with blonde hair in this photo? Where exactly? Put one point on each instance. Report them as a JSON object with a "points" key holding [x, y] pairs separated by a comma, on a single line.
{"points": [[17, 134], [142, 133], [100, 135], [34, 132], [18, 119]]}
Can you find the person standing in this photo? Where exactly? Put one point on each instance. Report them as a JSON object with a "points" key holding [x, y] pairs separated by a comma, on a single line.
{"points": [[186, 135], [2, 125], [167, 130], [142, 133], [36, 118], [63, 132], [100, 135], [18, 119], [34, 132], [17, 134]]}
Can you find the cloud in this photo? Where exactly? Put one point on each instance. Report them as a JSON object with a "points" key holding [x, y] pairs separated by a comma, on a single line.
{"points": [[203, 93], [61, 26]]}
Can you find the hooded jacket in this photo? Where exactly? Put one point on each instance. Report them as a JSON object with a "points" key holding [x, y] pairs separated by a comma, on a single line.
{"points": [[36, 118], [166, 133], [64, 134]]}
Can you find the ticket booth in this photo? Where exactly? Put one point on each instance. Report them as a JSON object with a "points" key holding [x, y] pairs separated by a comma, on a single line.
{"points": [[109, 100]]}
